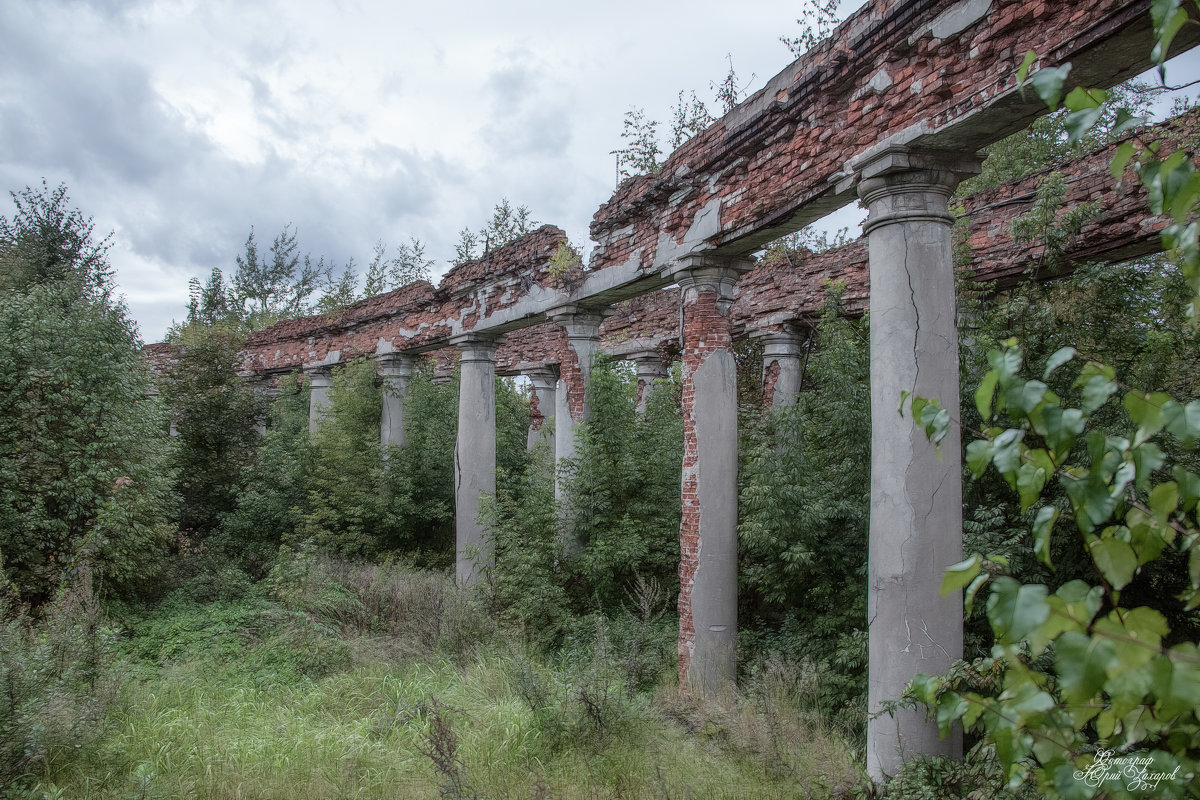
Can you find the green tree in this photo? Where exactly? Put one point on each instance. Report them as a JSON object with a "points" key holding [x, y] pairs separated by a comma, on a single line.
{"points": [[506, 225], [817, 20], [278, 285], [1093, 669], [640, 154], [804, 509], [84, 475], [215, 413]]}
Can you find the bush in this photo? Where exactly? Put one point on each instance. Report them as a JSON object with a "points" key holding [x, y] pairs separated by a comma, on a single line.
{"points": [[56, 682], [804, 512], [84, 473]]}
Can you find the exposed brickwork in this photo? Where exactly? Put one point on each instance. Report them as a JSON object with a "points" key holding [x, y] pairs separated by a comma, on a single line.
{"points": [[705, 330], [571, 378], [779, 150], [414, 317], [160, 357], [770, 376], [536, 417], [775, 292]]}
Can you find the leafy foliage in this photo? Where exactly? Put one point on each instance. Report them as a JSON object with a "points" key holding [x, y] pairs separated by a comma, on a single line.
{"points": [[804, 506], [83, 449], [1081, 676], [817, 19], [506, 225], [56, 682], [622, 503], [277, 285], [215, 413], [640, 154]]}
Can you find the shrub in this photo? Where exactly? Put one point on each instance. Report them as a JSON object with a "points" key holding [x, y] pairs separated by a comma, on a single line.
{"points": [[56, 682], [83, 451]]}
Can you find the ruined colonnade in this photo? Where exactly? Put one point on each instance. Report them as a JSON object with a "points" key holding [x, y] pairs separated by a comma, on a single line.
{"points": [[891, 108]]}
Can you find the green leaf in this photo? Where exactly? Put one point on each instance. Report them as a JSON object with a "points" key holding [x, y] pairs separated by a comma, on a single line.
{"points": [[1023, 70], [1147, 536], [979, 455], [977, 584], [1123, 124], [1146, 411], [1005, 362], [1147, 459], [1096, 392], [1182, 422], [1006, 453], [1115, 559], [1082, 664], [1125, 152], [1078, 123], [1015, 610], [1083, 601], [1135, 633], [950, 707], [1056, 623], [1080, 99], [984, 394], [1030, 480], [1061, 428], [1164, 499], [1165, 34], [1048, 83], [1061, 356], [1025, 397], [1194, 566], [1043, 526], [959, 575], [1177, 681], [1189, 487]]}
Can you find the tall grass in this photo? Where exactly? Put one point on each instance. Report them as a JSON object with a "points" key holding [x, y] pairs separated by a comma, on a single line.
{"points": [[435, 701]]}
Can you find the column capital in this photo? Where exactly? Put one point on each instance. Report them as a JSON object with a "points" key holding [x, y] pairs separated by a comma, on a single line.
{"points": [[544, 377], [884, 176], [318, 374], [646, 359], [477, 346], [781, 344], [394, 365], [580, 322], [705, 269]]}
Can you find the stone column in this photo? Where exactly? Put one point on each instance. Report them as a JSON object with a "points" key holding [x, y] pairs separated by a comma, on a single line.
{"points": [[650, 368], [783, 368], [583, 341], [474, 453], [708, 532], [541, 407], [582, 327], [916, 495], [395, 369], [319, 380]]}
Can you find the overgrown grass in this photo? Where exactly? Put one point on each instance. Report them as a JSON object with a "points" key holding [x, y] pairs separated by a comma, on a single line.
{"points": [[334, 680]]}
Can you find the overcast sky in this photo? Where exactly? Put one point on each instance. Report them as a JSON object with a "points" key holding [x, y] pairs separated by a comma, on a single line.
{"points": [[178, 125]]}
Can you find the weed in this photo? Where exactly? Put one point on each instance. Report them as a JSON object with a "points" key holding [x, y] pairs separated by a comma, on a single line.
{"points": [[441, 747]]}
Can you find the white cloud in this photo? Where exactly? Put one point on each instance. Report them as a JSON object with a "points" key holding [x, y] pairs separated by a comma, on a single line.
{"points": [[181, 124]]}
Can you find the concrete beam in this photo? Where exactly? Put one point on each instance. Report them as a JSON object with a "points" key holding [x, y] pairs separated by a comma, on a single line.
{"points": [[474, 454], [916, 492]]}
